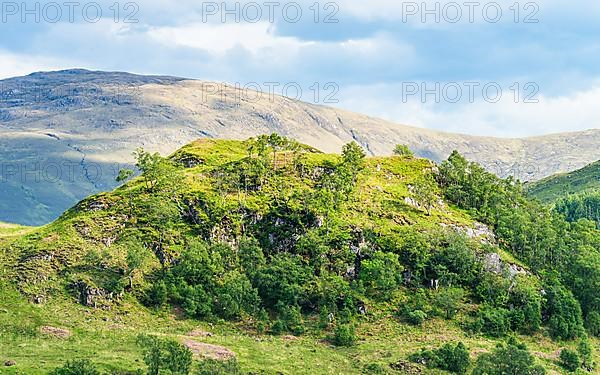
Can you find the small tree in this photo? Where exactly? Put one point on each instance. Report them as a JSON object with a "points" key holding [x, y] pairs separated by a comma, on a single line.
{"points": [[512, 358], [403, 150], [165, 356], [569, 360], [344, 335], [381, 274], [77, 367], [448, 300], [424, 192]]}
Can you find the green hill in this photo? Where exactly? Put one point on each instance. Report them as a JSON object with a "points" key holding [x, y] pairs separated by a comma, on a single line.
{"points": [[554, 187], [298, 262]]}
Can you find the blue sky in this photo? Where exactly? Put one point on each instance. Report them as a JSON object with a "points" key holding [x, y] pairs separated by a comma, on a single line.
{"points": [[375, 52]]}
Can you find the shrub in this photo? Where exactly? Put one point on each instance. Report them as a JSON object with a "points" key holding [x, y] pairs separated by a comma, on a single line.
{"points": [[416, 317], [216, 367], [493, 321], [569, 360], [448, 358], [564, 311], [157, 294], [381, 274], [512, 358], [77, 367], [448, 301], [584, 348], [344, 335], [403, 150], [291, 319], [165, 355], [592, 323]]}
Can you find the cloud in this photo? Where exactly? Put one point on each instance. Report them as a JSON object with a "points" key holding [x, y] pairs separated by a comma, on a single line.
{"points": [[506, 118], [22, 64]]}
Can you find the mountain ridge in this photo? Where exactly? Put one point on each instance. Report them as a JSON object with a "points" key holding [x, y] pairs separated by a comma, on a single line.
{"points": [[66, 134]]}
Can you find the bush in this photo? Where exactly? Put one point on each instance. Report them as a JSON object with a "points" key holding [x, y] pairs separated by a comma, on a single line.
{"points": [[448, 301], [416, 317], [454, 359], [592, 323], [216, 367], [569, 360], [403, 150], [564, 311], [584, 348], [165, 355], [290, 320], [512, 358], [157, 294], [344, 335], [381, 274], [493, 321], [77, 367]]}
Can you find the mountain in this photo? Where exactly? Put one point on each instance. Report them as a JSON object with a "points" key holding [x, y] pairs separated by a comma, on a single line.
{"points": [[269, 256], [558, 186], [65, 135]]}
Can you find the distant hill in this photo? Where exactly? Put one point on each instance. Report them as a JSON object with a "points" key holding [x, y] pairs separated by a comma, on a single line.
{"points": [[558, 186], [64, 135]]}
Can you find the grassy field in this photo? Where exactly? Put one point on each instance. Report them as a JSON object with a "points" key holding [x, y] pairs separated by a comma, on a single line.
{"points": [[108, 338]]}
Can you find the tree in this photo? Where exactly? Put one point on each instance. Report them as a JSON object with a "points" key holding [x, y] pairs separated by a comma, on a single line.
{"points": [[403, 150], [424, 192], [511, 358], [344, 335], [448, 300], [77, 367], [569, 360], [381, 274], [565, 321], [448, 357], [165, 356]]}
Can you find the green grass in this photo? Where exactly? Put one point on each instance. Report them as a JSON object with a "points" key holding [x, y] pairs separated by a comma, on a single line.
{"points": [[552, 188], [108, 338], [45, 261]]}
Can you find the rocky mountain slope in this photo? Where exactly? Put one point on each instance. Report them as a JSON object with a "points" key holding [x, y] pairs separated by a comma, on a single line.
{"points": [[63, 134]]}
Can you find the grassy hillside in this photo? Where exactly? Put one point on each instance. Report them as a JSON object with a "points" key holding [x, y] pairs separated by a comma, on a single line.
{"points": [[554, 187], [298, 262], [67, 133]]}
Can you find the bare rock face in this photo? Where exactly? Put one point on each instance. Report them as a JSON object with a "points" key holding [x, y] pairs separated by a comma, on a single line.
{"points": [[65, 135]]}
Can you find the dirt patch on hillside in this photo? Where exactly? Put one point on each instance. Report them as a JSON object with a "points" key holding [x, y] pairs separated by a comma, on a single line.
{"points": [[200, 333], [201, 349], [60, 333]]}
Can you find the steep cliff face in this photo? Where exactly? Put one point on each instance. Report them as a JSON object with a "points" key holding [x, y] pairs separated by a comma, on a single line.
{"points": [[64, 135]]}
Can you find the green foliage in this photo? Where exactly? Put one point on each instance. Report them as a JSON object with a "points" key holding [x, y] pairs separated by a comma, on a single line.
{"points": [[381, 274], [424, 192], [344, 335], [448, 357], [565, 321], [592, 323], [216, 367], [569, 360], [585, 351], [164, 356], [416, 317], [403, 150], [492, 321], [77, 367], [578, 182], [511, 358], [580, 206], [448, 300]]}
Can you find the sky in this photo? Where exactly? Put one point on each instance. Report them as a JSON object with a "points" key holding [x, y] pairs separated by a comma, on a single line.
{"points": [[504, 68]]}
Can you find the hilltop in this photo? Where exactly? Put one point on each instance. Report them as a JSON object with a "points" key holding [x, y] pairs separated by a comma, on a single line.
{"points": [[291, 260], [64, 135], [558, 186]]}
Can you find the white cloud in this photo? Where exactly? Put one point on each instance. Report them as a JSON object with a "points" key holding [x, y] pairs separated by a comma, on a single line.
{"points": [[20, 64], [552, 114], [220, 38]]}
